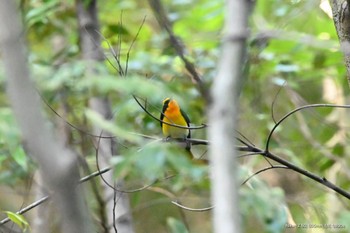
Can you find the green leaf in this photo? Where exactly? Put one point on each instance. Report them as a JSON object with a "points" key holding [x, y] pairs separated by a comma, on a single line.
{"points": [[122, 165], [20, 157], [18, 219], [41, 12], [109, 126], [152, 164], [343, 219], [148, 162], [176, 226], [267, 203], [140, 86], [66, 75]]}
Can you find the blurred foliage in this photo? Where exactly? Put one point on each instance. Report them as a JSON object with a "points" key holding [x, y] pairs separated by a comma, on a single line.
{"points": [[293, 59], [176, 226], [264, 204]]}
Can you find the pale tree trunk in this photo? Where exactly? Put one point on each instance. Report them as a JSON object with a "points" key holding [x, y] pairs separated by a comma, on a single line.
{"points": [[56, 163], [42, 212], [222, 116], [92, 52], [341, 18]]}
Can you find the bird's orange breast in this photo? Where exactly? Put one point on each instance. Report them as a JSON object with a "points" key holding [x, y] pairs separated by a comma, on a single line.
{"points": [[172, 115]]}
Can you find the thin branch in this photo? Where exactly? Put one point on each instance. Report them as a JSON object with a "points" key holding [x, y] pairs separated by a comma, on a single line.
{"points": [[67, 122], [247, 142], [96, 173], [249, 154], [297, 110], [120, 45], [114, 54], [247, 148], [263, 170], [321, 180], [114, 209], [131, 190], [101, 204], [195, 141], [112, 186], [44, 199], [274, 102], [171, 196], [132, 43], [192, 209], [268, 161], [27, 208]]}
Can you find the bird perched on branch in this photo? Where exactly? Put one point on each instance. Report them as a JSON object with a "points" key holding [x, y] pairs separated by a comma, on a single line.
{"points": [[175, 116]]}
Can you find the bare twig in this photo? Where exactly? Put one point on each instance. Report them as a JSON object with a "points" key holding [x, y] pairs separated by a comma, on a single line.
{"points": [[321, 180], [192, 209], [113, 186], [123, 190], [297, 110], [171, 196], [117, 57], [274, 101], [248, 154], [44, 199], [67, 122], [247, 142], [114, 211], [263, 170], [131, 45]]}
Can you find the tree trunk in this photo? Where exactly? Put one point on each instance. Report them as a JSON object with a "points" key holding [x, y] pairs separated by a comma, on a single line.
{"points": [[222, 116], [341, 18], [92, 52], [56, 163]]}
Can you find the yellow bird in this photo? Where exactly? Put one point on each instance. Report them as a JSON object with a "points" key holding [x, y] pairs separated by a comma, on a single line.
{"points": [[173, 114]]}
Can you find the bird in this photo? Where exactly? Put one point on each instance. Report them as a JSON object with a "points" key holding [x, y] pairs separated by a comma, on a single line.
{"points": [[174, 115]]}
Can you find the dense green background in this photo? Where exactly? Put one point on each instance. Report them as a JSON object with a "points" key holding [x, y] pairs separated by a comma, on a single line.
{"points": [[293, 59]]}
